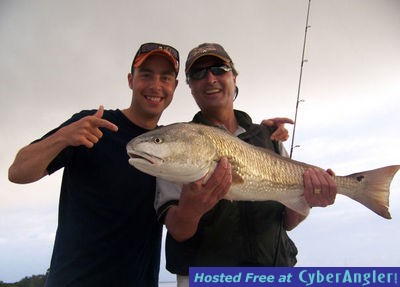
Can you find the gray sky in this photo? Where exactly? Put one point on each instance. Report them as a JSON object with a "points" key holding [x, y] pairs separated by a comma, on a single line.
{"points": [[59, 57]]}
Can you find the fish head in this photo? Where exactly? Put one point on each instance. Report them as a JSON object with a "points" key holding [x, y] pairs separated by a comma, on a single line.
{"points": [[179, 153]]}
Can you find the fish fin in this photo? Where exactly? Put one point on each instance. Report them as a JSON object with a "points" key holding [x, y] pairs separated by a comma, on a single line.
{"points": [[374, 193], [236, 178], [210, 171], [298, 204]]}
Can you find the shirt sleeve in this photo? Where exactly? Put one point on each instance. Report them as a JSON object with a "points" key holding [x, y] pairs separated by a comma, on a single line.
{"points": [[167, 195]]}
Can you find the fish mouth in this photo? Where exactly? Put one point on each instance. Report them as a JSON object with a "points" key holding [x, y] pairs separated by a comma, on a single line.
{"points": [[144, 157]]}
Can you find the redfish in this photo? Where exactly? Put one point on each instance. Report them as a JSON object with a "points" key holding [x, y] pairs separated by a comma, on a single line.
{"points": [[186, 152]]}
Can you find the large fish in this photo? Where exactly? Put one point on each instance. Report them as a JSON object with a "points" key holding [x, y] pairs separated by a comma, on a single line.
{"points": [[185, 152]]}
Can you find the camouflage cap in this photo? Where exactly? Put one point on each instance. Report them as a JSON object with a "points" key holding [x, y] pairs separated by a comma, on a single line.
{"points": [[207, 49]]}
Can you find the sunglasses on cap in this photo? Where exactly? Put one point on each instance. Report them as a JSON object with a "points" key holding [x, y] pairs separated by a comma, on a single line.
{"points": [[201, 73], [149, 47]]}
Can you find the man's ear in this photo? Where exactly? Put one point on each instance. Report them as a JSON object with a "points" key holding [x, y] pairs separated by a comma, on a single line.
{"points": [[130, 79]]}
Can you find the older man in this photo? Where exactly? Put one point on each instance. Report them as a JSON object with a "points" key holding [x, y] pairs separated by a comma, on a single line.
{"points": [[204, 230]]}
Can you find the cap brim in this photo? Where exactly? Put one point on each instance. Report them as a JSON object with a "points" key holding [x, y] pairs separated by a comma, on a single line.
{"points": [[143, 57], [226, 60]]}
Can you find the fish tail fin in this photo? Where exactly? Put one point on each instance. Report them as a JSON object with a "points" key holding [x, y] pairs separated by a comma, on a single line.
{"points": [[374, 189]]}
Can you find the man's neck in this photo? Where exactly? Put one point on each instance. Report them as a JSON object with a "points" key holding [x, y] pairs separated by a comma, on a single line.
{"points": [[225, 119], [148, 123]]}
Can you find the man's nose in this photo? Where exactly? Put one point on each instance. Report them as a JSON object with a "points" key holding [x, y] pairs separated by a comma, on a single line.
{"points": [[156, 83], [211, 78]]}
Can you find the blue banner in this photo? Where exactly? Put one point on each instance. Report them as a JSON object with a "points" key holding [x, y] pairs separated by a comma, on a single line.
{"points": [[294, 276]]}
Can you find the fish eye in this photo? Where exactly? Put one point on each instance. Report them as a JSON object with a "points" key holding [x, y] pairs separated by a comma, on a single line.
{"points": [[157, 140]]}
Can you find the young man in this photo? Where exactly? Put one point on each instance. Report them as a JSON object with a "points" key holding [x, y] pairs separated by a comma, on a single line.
{"points": [[107, 231], [204, 230]]}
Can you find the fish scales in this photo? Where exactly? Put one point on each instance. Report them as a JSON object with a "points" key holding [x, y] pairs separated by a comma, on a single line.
{"points": [[185, 152], [258, 167]]}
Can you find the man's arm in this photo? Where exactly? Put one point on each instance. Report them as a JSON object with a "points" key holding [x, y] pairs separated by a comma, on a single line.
{"points": [[314, 179], [31, 162], [196, 199], [319, 190]]}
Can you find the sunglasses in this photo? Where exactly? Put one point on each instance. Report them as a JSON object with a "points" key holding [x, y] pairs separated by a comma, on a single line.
{"points": [[149, 47], [201, 73]]}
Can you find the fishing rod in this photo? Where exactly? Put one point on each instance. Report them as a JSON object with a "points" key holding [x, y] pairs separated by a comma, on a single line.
{"points": [[300, 78]]}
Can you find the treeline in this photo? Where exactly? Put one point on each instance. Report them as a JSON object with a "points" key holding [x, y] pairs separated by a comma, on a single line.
{"points": [[33, 281]]}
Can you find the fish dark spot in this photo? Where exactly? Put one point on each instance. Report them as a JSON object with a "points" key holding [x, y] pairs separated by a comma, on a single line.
{"points": [[360, 178]]}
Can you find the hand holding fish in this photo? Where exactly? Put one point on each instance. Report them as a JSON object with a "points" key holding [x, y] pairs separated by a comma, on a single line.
{"points": [[319, 190], [281, 133], [196, 199], [86, 131], [201, 197], [319, 187]]}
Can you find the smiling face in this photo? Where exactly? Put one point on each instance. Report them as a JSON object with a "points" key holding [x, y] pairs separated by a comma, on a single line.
{"points": [[213, 91], [153, 85]]}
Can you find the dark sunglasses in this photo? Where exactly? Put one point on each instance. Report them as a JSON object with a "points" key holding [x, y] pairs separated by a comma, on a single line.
{"points": [[201, 73], [148, 47]]}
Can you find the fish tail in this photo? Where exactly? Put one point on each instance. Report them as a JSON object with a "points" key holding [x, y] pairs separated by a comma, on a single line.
{"points": [[374, 189]]}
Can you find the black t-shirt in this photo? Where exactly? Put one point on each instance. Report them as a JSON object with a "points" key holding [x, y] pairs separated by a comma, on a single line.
{"points": [[108, 234]]}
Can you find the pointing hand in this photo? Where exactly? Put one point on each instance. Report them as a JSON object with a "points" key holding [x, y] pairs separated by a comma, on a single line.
{"points": [[280, 133], [86, 131]]}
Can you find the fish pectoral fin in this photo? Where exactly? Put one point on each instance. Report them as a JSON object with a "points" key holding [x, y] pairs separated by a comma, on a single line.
{"points": [[298, 204], [236, 178], [210, 171]]}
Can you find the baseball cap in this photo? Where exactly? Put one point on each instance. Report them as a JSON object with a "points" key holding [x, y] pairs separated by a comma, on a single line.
{"points": [[148, 49], [207, 49]]}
